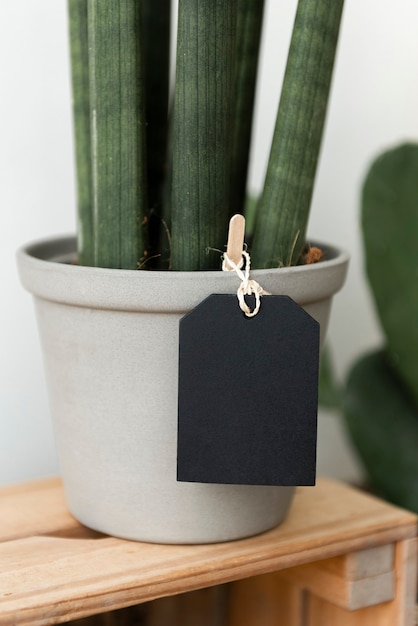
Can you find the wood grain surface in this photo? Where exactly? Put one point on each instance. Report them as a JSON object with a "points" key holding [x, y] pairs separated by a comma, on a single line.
{"points": [[52, 569]]}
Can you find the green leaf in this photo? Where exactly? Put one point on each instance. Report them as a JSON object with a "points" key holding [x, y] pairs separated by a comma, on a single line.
{"points": [[329, 391], [202, 121], [383, 425], [118, 133], [77, 13], [249, 24], [250, 209], [390, 228], [283, 211], [156, 37]]}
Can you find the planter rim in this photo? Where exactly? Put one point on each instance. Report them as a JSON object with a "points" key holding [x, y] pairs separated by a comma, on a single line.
{"points": [[46, 271]]}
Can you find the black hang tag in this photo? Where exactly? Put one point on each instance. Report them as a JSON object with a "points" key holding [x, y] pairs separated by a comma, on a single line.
{"points": [[248, 393]]}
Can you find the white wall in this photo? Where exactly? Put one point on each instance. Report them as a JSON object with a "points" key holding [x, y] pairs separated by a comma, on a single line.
{"points": [[374, 104]]}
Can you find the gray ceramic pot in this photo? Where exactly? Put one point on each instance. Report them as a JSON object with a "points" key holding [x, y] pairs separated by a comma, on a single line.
{"points": [[109, 339]]}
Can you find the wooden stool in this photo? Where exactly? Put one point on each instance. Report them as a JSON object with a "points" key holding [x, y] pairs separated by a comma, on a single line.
{"points": [[342, 558]]}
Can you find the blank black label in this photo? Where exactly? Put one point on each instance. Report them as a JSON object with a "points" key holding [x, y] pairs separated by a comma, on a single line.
{"points": [[248, 393]]}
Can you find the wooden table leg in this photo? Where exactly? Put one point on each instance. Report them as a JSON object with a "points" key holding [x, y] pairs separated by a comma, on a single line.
{"points": [[373, 587], [400, 611]]}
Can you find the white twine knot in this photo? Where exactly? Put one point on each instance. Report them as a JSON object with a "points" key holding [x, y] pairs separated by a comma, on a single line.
{"points": [[248, 286]]}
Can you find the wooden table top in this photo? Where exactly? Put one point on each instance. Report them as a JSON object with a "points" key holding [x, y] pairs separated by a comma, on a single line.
{"points": [[53, 569]]}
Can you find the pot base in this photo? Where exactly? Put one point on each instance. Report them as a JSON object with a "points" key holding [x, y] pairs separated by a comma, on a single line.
{"points": [[202, 514]]}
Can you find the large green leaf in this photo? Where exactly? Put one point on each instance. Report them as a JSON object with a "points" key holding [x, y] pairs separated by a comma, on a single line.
{"points": [[156, 37], [79, 46], [202, 130], [383, 425], [117, 116], [390, 230], [283, 211], [249, 28]]}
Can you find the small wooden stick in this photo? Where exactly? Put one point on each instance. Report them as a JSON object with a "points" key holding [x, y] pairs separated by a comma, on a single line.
{"points": [[235, 244]]}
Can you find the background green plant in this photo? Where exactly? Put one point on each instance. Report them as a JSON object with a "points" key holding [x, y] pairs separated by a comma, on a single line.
{"points": [[157, 188], [379, 400]]}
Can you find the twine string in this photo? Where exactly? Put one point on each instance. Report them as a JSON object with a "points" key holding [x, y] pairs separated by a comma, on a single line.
{"points": [[248, 286]]}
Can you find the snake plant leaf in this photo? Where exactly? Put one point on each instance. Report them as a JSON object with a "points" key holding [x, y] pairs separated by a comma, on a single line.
{"points": [[283, 210], [202, 121], [249, 27], [117, 102], [156, 37], [390, 227], [383, 424], [77, 14]]}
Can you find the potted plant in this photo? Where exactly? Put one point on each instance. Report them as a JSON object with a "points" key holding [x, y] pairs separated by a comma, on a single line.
{"points": [[156, 190]]}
